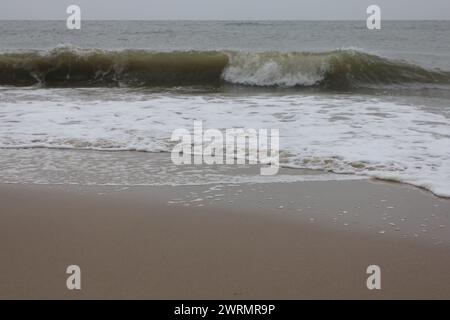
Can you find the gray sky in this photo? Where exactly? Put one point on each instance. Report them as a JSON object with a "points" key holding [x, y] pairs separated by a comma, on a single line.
{"points": [[226, 9]]}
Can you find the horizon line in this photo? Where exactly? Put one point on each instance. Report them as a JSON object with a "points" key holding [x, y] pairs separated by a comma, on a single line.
{"points": [[225, 20]]}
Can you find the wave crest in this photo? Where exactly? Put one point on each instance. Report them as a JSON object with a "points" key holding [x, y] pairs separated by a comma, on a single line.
{"points": [[340, 69]]}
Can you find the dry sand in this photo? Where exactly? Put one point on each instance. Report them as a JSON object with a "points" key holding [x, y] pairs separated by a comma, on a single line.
{"points": [[141, 244]]}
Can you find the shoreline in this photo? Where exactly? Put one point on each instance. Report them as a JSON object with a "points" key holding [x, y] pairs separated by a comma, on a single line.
{"points": [[117, 141], [164, 243]]}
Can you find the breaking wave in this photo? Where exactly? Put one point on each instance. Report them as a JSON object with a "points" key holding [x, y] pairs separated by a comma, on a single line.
{"points": [[340, 69]]}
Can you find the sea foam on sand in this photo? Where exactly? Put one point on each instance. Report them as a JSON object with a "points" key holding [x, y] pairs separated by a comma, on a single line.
{"points": [[337, 133]]}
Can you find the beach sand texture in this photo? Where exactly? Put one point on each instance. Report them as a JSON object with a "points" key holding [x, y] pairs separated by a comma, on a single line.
{"points": [[139, 244]]}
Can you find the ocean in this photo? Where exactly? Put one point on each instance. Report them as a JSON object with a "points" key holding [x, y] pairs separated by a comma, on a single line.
{"points": [[90, 106]]}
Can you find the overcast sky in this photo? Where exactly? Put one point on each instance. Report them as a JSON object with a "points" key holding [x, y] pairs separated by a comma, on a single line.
{"points": [[226, 9]]}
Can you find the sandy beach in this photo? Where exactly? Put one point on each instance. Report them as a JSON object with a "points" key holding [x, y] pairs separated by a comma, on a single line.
{"points": [[291, 241]]}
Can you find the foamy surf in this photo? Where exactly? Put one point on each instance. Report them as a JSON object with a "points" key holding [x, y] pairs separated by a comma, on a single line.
{"points": [[343, 134]]}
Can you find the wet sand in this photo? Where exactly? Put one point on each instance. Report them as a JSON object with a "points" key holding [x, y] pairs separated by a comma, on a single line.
{"points": [[267, 241]]}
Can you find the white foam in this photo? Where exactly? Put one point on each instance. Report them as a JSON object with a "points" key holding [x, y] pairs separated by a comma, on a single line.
{"points": [[340, 133], [274, 69]]}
